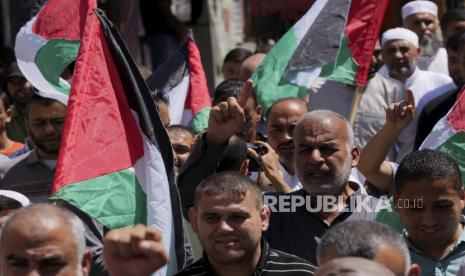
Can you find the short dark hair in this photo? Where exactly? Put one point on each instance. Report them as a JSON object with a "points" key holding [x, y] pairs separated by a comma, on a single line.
{"points": [[232, 183], [453, 42], [295, 99], [36, 98], [226, 89], [427, 164], [237, 55], [451, 16], [8, 203], [361, 239], [181, 128], [233, 156]]}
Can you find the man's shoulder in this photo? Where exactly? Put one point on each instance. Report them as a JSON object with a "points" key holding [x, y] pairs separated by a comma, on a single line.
{"points": [[280, 261], [6, 165]]}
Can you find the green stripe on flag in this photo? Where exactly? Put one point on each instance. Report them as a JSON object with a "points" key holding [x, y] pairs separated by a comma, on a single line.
{"points": [[343, 69], [53, 58], [115, 200], [268, 84], [455, 147]]}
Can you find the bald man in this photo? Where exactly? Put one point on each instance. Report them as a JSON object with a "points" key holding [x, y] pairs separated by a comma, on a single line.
{"points": [[250, 65], [43, 239]]}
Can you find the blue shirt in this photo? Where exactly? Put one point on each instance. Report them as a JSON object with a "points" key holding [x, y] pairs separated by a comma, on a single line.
{"points": [[447, 266]]}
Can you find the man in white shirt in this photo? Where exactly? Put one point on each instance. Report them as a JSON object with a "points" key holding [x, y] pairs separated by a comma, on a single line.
{"points": [[421, 17], [400, 51]]}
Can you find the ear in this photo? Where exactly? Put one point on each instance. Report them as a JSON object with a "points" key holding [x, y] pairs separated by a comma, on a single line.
{"points": [[86, 262], [462, 197], [244, 170], [193, 219], [414, 270], [355, 152], [259, 110], [418, 51], [265, 217], [9, 113]]}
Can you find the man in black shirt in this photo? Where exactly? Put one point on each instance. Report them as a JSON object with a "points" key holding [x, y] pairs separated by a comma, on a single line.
{"points": [[228, 217]]}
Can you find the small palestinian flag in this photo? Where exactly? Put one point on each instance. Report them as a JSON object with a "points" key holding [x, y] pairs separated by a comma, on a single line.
{"points": [[116, 161], [334, 39], [183, 80], [48, 43]]}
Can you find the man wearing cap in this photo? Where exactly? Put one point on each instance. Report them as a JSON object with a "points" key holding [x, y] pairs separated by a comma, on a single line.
{"points": [[400, 51], [421, 17], [18, 90]]}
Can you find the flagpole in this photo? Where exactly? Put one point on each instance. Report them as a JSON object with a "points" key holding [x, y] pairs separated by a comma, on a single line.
{"points": [[359, 90]]}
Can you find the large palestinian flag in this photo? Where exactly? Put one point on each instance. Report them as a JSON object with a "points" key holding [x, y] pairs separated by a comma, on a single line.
{"points": [[183, 80], [48, 43], [334, 39], [116, 161]]}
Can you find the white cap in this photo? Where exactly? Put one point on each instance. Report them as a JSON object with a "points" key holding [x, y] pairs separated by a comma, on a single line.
{"points": [[16, 196], [399, 34], [418, 6]]}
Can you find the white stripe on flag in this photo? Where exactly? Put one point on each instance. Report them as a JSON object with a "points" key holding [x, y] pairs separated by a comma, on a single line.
{"points": [[177, 99], [151, 175], [439, 135]]}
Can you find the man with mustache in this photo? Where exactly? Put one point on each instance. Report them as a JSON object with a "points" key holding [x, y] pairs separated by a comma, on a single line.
{"points": [[324, 154], [400, 51], [32, 174], [421, 17]]}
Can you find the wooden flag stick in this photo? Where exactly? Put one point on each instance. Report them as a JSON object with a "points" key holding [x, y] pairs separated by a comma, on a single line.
{"points": [[359, 90]]}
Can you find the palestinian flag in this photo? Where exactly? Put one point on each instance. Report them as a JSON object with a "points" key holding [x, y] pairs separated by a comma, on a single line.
{"points": [[183, 80], [48, 43], [335, 39], [116, 161]]}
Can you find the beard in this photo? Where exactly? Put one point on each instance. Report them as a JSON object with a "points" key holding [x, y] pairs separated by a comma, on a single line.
{"points": [[42, 145], [430, 45], [404, 71]]}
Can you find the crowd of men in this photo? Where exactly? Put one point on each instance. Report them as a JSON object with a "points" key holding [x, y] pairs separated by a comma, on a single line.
{"points": [[295, 189]]}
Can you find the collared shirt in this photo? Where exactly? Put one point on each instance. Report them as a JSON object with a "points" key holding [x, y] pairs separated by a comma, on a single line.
{"points": [[447, 266], [271, 262], [298, 230], [291, 180], [29, 175]]}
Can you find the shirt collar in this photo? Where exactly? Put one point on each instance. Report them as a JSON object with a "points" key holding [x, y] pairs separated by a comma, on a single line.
{"points": [[410, 80], [264, 255]]}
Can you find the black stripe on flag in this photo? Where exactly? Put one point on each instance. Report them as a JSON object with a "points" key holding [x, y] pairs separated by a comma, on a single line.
{"points": [[170, 73], [141, 101], [321, 43]]}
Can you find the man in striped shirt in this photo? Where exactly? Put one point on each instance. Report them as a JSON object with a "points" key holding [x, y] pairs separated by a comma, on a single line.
{"points": [[229, 217]]}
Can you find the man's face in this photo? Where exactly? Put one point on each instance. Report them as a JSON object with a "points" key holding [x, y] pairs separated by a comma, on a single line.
{"points": [[424, 24], [229, 228], [452, 28], [252, 115], [399, 57], [182, 143], [453, 63], [430, 211], [18, 89], [280, 128], [231, 70], [376, 60], [48, 251], [45, 126], [323, 159]]}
